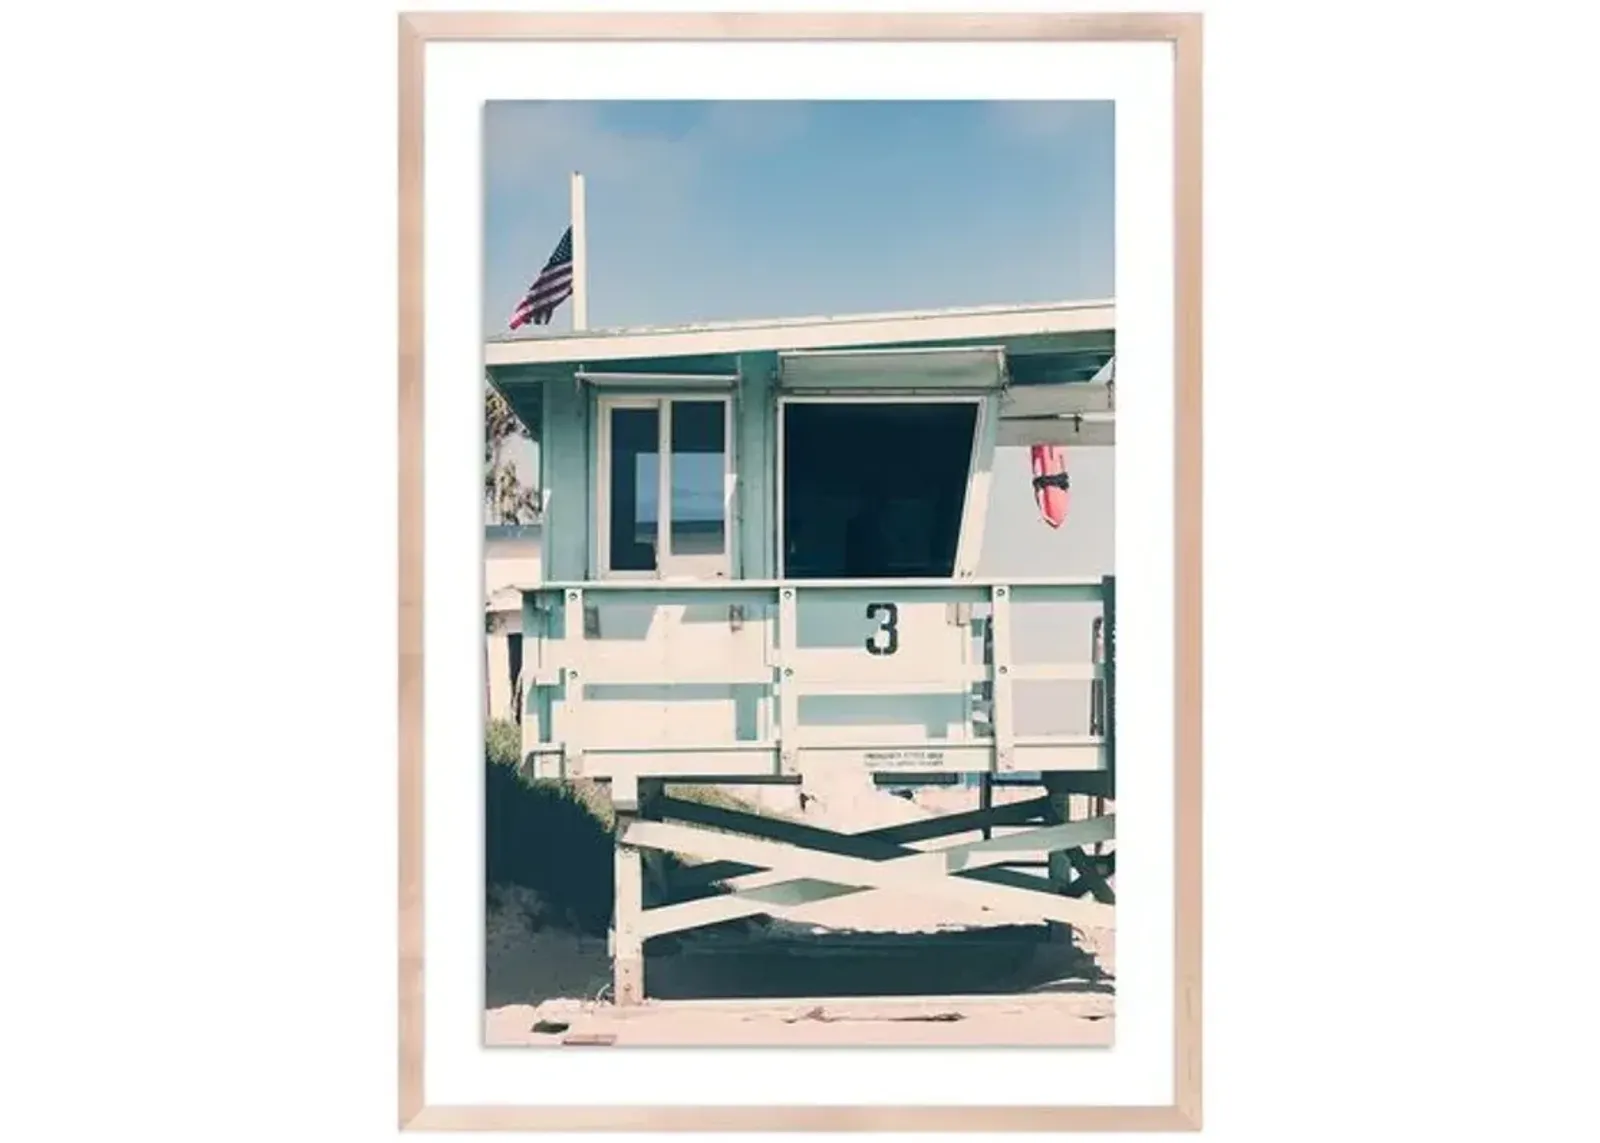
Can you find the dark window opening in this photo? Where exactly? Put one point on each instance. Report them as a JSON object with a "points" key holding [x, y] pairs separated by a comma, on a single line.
{"points": [[874, 491], [635, 488], [514, 658]]}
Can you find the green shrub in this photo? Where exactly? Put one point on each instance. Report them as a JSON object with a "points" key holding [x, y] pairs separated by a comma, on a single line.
{"points": [[555, 837], [551, 837], [503, 742]]}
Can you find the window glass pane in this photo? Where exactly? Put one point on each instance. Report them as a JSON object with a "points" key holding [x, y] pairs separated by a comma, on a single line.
{"points": [[635, 488], [699, 464]]}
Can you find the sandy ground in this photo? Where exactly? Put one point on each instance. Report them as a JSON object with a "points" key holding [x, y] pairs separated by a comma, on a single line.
{"points": [[1083, 1020], [894, 969]]}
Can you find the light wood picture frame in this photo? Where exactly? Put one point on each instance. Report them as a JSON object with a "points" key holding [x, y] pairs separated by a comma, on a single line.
{"points": [[1183, 33]]}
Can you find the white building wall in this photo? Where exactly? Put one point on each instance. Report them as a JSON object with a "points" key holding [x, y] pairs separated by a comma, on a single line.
{"points": [[511, 559]]}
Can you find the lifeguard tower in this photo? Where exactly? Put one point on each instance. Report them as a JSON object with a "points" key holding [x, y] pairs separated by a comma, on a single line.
{"points": [[760, 566]]}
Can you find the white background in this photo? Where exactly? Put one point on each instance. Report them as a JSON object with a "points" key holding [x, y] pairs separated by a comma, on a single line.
{"points": [[197, 454]]}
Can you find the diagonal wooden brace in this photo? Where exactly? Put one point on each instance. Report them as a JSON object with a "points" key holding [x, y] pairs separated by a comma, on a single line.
{"points": [[801, 876], [874, 845], [1090, 879]]}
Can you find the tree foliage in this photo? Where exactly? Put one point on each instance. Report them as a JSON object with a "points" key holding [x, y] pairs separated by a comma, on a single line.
{"points": [[508, 499]]}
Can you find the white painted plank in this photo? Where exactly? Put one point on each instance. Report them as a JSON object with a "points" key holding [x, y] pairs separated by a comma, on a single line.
{"points": [[616, 671], [726, 762], [1042, 753]]}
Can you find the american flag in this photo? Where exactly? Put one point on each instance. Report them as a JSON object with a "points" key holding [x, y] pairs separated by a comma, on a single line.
{"points": [[552, 287]]}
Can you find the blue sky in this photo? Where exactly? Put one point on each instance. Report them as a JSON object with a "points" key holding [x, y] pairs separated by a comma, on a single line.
{"points": [[723, 211]]}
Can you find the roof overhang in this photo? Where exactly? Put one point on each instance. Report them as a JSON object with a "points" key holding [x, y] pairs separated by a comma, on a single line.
{"points": [[1052, 365], [814, 333]]}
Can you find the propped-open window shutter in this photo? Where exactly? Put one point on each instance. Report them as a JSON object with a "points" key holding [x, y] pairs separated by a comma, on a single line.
{"points": [[969, 369]]}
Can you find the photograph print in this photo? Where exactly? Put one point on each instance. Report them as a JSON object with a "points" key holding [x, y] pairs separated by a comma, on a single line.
{"points": [[799, 660]]}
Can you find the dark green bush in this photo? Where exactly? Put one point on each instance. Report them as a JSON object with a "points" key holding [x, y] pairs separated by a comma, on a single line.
{"points": [[555, 838], [551, 837]]}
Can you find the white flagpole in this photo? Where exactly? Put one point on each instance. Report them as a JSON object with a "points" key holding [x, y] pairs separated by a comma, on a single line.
{"points": [[580, 257]]}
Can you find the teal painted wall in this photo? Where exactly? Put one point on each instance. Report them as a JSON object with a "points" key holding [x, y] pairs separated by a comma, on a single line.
{"points": [[564, 453], [756, 445]]}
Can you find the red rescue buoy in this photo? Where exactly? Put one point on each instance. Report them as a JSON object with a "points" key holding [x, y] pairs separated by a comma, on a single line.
{"points": [[1050, 483]]}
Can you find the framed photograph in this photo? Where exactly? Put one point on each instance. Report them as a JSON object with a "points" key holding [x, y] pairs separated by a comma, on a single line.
{"points": [[799, 572]]}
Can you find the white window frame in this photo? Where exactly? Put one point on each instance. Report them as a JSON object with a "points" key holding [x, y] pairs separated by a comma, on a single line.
{"points": [[668, 566], [975, 501]]}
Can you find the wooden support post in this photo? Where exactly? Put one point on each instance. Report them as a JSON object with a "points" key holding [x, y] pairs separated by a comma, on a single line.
{"points": [[1108, 588], [1059, 871], [530, 717], [627, 926], [572, 684], [788, 735], [657, 889], [1108, 656], [986, 802], [1097, 703], [1002, 714]]}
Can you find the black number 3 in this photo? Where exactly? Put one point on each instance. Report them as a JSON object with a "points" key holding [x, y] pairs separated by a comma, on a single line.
{"points": [[888, 617]]}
